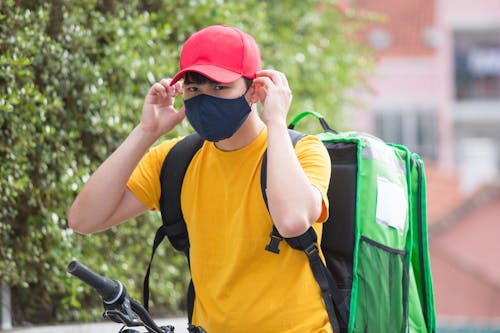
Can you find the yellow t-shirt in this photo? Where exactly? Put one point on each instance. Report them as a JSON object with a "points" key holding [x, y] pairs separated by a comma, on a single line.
{"points": [[241, 287]]}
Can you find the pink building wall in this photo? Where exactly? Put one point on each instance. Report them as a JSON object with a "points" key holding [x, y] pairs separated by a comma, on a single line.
{"points": [[425, 79]]}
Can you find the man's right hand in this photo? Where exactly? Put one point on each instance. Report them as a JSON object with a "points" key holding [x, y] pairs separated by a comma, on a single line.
{"points": [[105, 200], [159, 115]]}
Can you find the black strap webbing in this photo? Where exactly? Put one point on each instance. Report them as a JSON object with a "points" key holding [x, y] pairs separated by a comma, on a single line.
{"points": [[171, 178], [307, 242], [159, 236], [174, 227], [295, 137]]}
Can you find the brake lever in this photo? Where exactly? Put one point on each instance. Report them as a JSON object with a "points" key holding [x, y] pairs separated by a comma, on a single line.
{"points": [[121, 313]]}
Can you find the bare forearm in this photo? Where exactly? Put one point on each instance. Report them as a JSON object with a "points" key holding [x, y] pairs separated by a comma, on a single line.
{"points": [[102, 193], [294, 203]]}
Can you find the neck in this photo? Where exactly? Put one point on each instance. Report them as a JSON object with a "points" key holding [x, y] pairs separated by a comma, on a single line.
{"points": [[245, 135]]}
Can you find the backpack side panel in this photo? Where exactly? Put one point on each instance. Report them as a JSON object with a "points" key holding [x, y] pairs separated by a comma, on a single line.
{"points": [[338, 239], [422, 312], [381, 256], [379, 266]]}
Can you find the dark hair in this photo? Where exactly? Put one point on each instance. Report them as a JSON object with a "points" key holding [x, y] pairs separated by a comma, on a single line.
{"points": [[194, 77]]}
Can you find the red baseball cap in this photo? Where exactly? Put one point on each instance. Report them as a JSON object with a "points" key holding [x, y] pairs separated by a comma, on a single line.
{"points": [[221, 53]]}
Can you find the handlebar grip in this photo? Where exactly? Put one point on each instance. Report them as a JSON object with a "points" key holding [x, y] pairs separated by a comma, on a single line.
{"points": [[110, 290]]}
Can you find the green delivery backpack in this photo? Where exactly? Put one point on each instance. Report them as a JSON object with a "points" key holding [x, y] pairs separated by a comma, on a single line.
{"points": [[375, 241], [377, 275]]}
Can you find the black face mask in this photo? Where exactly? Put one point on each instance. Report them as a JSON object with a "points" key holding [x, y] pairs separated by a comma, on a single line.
{"points": [[215, 118]]}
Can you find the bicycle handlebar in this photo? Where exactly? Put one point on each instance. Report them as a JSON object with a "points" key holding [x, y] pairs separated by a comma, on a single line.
{"points": [[111, 291], [119, 306]]}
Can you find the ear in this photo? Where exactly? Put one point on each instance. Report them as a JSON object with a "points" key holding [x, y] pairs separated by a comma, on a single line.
{"points": [[253, 95]]}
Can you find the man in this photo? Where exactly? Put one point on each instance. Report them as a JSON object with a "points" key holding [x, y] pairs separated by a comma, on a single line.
{"points": [[239, 286]]}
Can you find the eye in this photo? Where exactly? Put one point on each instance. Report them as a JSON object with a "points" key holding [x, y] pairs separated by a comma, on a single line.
{"points": [[192, 89], [219, 87]]}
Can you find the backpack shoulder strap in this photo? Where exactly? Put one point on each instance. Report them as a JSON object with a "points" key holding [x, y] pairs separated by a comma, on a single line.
{"points": [[295, 137], [336, 306], [275, 237], [171, 177], [307, 243]]}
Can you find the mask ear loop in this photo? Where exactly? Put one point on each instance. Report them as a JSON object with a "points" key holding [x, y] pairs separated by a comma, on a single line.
{"points": [[248, 88], [246, 91]]}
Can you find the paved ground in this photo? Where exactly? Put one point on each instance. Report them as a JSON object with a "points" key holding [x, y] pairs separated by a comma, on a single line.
{"points": [[180, 325]]}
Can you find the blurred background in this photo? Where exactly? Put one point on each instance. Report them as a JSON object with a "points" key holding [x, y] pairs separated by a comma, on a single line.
{"points": [[73, 75], [436, 89]]}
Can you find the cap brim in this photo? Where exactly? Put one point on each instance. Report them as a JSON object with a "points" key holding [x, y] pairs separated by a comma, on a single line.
{"points": [[214, 73]]}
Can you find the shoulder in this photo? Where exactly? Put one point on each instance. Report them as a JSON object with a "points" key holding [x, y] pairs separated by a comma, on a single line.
{"points": [[312, 153], [153, 160], [160, 151], [310, 144], [144, 181], [309, 139]]}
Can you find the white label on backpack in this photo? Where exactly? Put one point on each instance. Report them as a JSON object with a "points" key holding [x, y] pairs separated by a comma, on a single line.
{"points": [[392, 204]]}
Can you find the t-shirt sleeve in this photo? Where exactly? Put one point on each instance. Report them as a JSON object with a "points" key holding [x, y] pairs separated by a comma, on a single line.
{"points": [[145, 179], [315, 162]]}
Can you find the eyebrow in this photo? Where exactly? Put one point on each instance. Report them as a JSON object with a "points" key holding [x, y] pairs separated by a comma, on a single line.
{"points": [[209, 82], [197, 79]]}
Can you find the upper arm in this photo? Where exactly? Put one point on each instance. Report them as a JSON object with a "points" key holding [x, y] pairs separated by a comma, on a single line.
{"points": [[315, 161]]}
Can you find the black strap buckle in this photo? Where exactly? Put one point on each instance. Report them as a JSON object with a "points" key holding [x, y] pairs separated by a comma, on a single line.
{"points": [[311, 249], [274, 243], [196, 329]]}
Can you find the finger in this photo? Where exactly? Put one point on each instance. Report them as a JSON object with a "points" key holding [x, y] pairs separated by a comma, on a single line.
{"points": [[260, 90], [170, 89], [284, 80], [179, 88], [158, 89], [173, 90], [280, 79], [181, 113], [179, 116], [266, 72], [261, 95], [166, 82], [265, 82], [277, 77]]}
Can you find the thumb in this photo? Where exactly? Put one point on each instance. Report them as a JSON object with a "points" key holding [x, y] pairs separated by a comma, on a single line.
{"points": [[181, 114]]}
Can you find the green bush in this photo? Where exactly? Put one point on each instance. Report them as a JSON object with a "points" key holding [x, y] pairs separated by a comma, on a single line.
{"points": [[72, 81]]}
